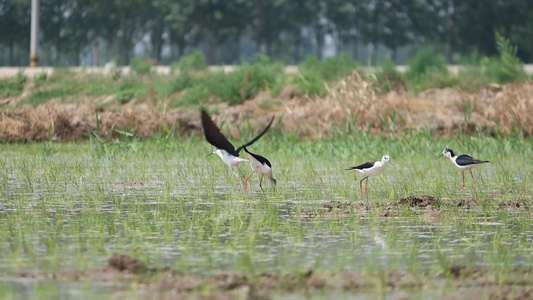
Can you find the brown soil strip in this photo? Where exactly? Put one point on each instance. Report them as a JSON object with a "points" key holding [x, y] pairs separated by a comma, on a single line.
{"points": [[167, 283], [428, 207]]}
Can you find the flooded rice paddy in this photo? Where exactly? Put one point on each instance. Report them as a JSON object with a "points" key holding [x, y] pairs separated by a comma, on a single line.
{"points": [[67, 208]]}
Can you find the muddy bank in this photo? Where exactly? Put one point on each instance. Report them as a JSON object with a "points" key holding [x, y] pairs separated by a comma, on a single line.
{"points": [[428, 207], [166, 283], [351, 104]]}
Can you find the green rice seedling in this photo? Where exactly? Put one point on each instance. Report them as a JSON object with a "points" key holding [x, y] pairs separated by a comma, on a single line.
{"points": [[48, 149], [101, 144], [168, 205]]}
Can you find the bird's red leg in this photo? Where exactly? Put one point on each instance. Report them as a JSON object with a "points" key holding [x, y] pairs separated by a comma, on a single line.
{"points": [[473, 180], [246, 181], [261, 183], [361, 188], [239, 183], [463, 180], [366, 191]]}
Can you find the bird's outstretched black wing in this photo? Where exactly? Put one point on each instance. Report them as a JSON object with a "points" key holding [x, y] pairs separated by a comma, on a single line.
{"points": [[466, 160], [257, 137], [214, 136], [366, 165], [260, 158]]}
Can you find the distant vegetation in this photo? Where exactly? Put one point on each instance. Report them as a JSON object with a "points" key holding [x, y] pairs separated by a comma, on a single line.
{"points": [[190, 83], [80, 32]]}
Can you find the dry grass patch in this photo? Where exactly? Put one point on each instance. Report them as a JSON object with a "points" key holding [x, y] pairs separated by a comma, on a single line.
{"points": [[352, 104]]}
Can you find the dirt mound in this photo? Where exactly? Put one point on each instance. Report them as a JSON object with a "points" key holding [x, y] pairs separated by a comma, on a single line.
{"points": [[346, 208], [466, 203], [124, 263], [337, 205], [335, 209], [422, 203], [513, 205]]}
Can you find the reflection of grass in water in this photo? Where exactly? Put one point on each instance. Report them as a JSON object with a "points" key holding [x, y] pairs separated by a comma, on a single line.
{"points": [[65, 210]]}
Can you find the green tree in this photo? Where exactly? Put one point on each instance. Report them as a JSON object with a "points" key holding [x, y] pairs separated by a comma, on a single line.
{"points": [[215, 21], [105, 20], [14, 23], [53, 22], [133, 18], [269, 19]]}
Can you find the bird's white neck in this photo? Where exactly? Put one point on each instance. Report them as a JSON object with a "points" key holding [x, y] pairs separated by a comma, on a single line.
{"points": [[227, 158], [221, 153]]}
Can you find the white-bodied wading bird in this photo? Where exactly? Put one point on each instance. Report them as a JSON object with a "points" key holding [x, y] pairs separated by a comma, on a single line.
{"points": [[368, 169], [259, 165], [463, 162], [223, 148]]}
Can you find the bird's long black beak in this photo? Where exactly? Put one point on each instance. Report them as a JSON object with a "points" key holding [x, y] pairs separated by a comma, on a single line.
{"points": [[209, 154], [392, 163]]}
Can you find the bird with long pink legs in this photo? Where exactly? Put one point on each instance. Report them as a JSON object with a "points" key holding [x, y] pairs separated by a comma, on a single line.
{"points": [[223, 148], [261, 166], [369, 169], [463, 162]]}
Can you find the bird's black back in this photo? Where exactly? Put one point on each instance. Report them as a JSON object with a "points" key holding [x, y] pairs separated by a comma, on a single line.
{"points": [[466, 160], [260, 158], [214, 136], [366, 165]]}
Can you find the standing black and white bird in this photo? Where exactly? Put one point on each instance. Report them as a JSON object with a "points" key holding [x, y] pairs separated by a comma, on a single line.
{"points": [[463, 162], [368, 169], [223, 148], [259, 165]]}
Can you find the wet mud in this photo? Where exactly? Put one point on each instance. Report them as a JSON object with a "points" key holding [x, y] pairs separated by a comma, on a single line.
{"points": [[166, 283], [428, 207]]}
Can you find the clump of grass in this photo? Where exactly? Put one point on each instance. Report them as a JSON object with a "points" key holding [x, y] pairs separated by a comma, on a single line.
{"points": [[250, 80], [476, 71], [329, 69], [509, 109], [352, 102], [40, 78], [309, 84], [192, 62], [130, 88], [182, 82], [235, 87], [312, 74], [388, 78], [140, 67], [103, 145], [428, 69], [13, 87], [507, 67], [59, 92]]}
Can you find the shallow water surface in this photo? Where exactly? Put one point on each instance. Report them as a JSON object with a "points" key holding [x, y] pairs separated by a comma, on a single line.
{"points": [[72, 210]]}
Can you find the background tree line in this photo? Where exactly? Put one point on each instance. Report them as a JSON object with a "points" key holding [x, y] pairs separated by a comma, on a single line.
{"points": [[229, 31]]}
